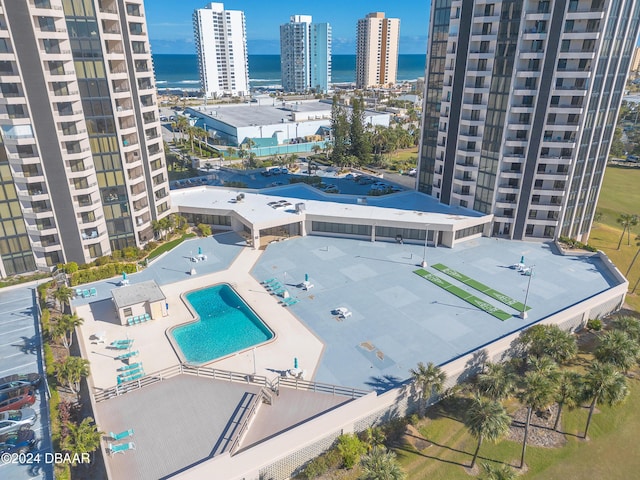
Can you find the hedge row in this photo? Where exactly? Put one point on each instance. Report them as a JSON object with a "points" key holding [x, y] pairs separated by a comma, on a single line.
{"points": [[576, 244], [101, 273]]}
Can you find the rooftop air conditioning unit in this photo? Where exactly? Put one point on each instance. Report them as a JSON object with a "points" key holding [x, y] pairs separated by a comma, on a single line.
{"points": [[300, 207]]}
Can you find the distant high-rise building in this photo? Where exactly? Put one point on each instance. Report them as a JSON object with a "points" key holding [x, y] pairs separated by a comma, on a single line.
{"points": [[82, 167], [221, 45], [305, 55], [377, 50], [635, 62], [520, 107]]}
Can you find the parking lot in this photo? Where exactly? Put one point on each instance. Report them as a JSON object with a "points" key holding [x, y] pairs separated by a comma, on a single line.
{"points": [[20, 350]]}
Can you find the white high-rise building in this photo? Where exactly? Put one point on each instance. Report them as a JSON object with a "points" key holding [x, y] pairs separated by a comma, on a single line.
{"points": [[520, 107], [377, 50], [221, 45], [82, 167], [305, 55]]}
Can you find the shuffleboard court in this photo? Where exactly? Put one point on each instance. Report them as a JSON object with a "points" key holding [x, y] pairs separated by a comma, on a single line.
{"points": [[490, 292], [467, 297]]}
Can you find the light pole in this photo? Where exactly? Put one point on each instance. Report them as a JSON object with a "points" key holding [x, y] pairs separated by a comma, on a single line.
{"points": [[423, 264], [523, 313]]}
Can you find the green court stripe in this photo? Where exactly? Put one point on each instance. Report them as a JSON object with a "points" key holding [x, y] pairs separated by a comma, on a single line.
{"points": [[466, 296], [490, 292]]}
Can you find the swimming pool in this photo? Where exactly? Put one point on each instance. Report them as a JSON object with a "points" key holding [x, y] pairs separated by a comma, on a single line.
{"points": [[226, 325]]}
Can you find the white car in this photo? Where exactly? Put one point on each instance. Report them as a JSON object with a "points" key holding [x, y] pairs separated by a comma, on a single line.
{"points": [[14, 420], [413, 172]]}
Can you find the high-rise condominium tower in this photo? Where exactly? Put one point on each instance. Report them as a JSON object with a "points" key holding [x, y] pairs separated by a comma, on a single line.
{"points": [[221, 45], [305, 55], [82, 168], [377, 50], [521, 101]]}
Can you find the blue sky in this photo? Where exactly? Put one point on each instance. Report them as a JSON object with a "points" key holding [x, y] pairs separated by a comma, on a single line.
{"points": [[171, 31]]}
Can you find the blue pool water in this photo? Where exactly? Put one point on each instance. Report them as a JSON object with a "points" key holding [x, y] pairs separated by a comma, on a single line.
{"points": [[226, 325]]}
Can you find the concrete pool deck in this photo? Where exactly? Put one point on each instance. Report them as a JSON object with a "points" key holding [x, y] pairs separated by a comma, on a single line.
{"points": [[293, 339]]}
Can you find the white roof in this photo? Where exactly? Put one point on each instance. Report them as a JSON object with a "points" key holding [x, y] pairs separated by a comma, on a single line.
{"points": [[406, 207]]}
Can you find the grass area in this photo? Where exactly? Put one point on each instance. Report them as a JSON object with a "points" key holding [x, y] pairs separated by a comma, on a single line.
{"points": [[620, 193], [612, 451], [466, 296], [405, 155], [169, 245]]}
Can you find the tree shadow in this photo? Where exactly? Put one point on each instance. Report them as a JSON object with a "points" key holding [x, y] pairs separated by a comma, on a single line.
{"points": [[424, 455], [384, 383], [30, 345]]}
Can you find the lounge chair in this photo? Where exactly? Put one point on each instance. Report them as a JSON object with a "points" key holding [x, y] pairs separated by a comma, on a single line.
{"points": [[121, 435], [346, 314], [78, 292], [274, 286], [121, 447], [86, 294], [130, 321], [133, 366], [267, 282], [124, 356], [147, 317], [287, 302], [93, 292], [121, 344]]}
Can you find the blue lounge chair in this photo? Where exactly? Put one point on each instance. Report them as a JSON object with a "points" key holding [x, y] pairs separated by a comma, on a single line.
{"points": [[130, 321], [121, 344], [78, 292], [267, 282], [121, 447], [287, 302], [93, 292], [147, 317], [86, 294], [274, 286], [130, 354], [121, 435], [132, 366]]}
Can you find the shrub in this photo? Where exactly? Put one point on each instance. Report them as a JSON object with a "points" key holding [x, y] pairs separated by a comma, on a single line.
{"points": [[71, 267], [151, 246], [351, 448], [394, 429], [413, 419], [594, 324], [205, 229], [316, 467]]}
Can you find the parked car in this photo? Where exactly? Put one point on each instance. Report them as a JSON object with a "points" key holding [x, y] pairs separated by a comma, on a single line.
{"points": [[32, 378], [21, 441], [7, 388], [275, 171], [163, 118], [351, 176], [20, 401], [14, 420], [332, 189], [284, 170], [413, 172], [266, 173]]}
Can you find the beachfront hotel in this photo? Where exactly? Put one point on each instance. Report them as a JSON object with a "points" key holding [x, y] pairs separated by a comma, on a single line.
{"points": [[520, 107], [305, 55], [377, 50], [82, 168], [221, 46]]}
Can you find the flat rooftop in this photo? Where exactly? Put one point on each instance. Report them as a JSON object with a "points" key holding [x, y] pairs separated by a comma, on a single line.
{"points": [[251, 114], [407, 206], [398, 318]]}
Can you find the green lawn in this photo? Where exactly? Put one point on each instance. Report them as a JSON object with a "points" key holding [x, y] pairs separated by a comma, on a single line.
{"points": [[612, 451], [620, 193], [169, 245]]}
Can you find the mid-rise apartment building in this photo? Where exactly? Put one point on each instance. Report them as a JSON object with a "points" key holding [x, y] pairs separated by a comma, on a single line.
{"points": [[520, 107], [305, 55], [377, 50], [221, 45], [82, 167]]}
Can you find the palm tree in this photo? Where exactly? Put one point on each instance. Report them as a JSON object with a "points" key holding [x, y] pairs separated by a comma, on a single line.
{"points": [[72, 371], [603, 383], [617, 348], [497, 381], [381, 464], [486, 419], [82, 438], [551, 341], [316, 149], [498, 472], [568, 392], [63, 294], [627, 221], [537, 392], [428, 379], [633, 260], [373, 437], [232, 152], [630, 325], [64, 328]]}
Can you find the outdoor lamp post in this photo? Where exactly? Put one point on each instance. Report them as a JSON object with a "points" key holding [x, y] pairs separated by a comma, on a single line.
{"points": [[523, 314], [423, 264]]}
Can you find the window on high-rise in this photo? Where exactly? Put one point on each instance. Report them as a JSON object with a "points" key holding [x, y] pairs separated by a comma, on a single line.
{"points": [[568, 26]]}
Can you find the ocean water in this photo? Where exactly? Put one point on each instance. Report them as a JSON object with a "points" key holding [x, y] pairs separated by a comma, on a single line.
{"points": [[181, 71]]}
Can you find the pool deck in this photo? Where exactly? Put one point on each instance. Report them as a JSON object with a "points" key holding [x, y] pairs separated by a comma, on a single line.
{"points": [[293, 338]]}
